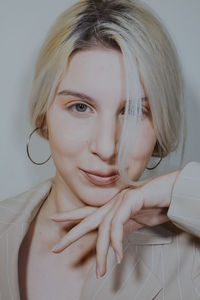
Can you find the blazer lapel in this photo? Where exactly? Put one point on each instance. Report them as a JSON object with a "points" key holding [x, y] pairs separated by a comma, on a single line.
{"points": [[131, 279], [156, 235], [135, 277], [16, 215]]}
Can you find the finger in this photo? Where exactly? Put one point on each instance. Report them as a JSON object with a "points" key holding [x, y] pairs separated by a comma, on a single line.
{"points": [[74, 214], [74, 234], [131, 225], [122, 215], [80, 213], [152, 220], [103, 241], [86, 225], [102, 247], [150, 211]]}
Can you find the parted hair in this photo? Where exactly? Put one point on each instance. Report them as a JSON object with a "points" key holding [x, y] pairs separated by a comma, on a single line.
{"points": [[149, 55]]}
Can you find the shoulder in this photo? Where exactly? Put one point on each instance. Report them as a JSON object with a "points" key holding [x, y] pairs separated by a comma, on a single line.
{"points": [[23, 207]]}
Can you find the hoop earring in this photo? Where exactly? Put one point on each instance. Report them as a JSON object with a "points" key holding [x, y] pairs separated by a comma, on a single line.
{"points": [[161, 157], [27, 149]]}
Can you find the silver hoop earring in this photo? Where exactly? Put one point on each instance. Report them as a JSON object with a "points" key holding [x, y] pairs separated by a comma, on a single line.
{"points": [[27, 149], [155, 165]]}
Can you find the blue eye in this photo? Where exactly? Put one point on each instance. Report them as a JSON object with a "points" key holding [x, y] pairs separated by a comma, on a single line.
{"points": [[80, 107]]}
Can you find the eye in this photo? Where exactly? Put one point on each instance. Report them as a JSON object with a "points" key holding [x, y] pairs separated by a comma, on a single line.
{"points": [[122, 112], [145, 111], [80, 107]]}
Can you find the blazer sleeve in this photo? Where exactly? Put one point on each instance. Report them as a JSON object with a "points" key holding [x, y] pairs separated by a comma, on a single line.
{"points": [[184, 210]]}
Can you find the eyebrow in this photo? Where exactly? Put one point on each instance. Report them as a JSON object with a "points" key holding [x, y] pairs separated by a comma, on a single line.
{"points": [[76, 94], [86, 97]]}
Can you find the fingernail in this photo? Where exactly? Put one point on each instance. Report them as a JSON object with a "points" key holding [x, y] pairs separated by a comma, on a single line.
{"points": [[117, 257], [98, 272], [55, 248], [55, 216]]}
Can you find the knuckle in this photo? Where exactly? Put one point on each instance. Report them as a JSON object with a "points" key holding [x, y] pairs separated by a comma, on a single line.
{"points": [[114, 221], [101, 230]]}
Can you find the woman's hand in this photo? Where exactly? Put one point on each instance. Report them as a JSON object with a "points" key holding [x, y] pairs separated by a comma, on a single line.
{"points": [[128, 211]]}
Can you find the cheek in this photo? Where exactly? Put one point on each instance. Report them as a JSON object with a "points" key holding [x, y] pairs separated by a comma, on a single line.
{"points": [[66, 144], [144, 143], [66, 137], [142, 149]]}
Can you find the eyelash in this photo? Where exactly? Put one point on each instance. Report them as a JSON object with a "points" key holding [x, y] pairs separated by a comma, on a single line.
{"points": [[145, 111], [71, 107]]}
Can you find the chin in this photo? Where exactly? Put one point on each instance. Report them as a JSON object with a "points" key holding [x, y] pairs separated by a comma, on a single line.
{"points": [[99, 196]]}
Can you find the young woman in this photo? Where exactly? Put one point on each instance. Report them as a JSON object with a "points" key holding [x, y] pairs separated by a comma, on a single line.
{"points": [[107, 94]]}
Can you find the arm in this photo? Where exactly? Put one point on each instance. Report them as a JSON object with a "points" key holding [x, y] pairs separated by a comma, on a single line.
{"points": [[165, 197], [184, 210]]}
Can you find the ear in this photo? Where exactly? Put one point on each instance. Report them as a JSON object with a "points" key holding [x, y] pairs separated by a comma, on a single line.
{"points": [[41, 122]]}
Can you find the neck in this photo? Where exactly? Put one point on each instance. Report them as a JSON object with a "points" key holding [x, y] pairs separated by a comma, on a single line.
{"points": [[62, 198], [59, 200]]}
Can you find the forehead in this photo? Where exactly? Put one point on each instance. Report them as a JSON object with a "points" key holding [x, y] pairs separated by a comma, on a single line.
{"points": [[96, 66], [98, 73]]}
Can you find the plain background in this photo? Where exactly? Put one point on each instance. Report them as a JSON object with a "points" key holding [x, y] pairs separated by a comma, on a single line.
{"points": [[23, 26]]}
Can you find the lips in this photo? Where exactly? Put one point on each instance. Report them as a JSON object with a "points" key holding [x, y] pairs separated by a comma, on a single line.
{"points": [[101, 178]]}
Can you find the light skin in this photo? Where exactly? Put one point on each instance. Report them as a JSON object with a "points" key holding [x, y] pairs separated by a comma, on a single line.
{"points": [[84, 124]]}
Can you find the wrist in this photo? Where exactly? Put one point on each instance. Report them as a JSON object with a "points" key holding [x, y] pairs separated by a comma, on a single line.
{"points": [[174, 176]]}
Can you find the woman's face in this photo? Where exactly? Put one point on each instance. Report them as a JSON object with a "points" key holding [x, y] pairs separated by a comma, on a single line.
{"points": [[84, 124]]}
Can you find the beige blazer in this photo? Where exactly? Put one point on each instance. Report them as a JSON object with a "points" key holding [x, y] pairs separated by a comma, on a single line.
{"points": [[161, 262]]}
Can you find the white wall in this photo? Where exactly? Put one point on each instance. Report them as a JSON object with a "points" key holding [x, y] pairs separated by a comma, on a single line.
{"points": [[23, 25]]}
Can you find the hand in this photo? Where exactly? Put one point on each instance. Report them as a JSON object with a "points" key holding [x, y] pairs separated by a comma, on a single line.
{"points": [[129, 210]]}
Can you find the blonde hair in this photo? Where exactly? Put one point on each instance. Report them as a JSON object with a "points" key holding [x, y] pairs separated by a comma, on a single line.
{"points": [[149, 55]]}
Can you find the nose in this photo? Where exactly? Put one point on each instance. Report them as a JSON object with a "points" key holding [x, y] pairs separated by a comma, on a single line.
{"points": [[104, 141]]}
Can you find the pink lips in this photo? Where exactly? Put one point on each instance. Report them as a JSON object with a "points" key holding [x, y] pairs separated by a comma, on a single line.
{"points": [[101, 178]]}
